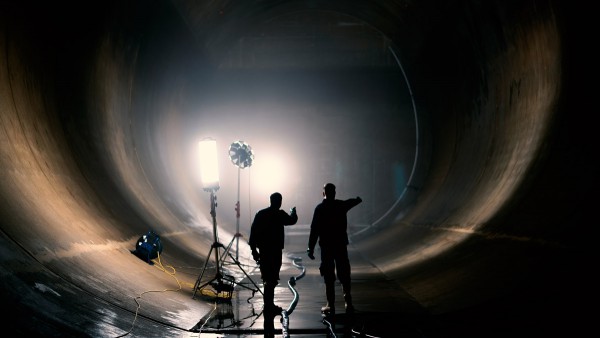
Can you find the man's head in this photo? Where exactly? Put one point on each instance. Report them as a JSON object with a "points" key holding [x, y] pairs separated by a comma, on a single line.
{"points": [[276, 199], [329, 191]]}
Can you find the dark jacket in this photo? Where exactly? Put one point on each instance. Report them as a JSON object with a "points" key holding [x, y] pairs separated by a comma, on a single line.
{"points": [[330, 224], [267, 228]]}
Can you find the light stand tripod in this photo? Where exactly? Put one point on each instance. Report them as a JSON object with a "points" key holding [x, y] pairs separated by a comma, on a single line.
{"points": [[236, 237], [220, 282], [240, 154]]}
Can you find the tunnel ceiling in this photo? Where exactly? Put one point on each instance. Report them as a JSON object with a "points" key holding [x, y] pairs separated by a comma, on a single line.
{"points": [[450, 119]]}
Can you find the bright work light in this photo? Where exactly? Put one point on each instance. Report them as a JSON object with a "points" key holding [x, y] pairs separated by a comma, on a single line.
{"points": [[209, 173], [209, 166]]}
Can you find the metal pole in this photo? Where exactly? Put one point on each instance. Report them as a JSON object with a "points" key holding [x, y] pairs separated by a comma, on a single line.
{"points": [[213, 213], [237, 227]]}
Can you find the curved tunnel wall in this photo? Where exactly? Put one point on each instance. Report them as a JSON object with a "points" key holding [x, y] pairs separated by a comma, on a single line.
{"points": [[489, 132], [91, 108]]}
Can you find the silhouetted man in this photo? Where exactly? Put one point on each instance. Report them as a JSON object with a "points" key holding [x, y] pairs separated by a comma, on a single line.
{"points": [[266, 242], [329, 226]]}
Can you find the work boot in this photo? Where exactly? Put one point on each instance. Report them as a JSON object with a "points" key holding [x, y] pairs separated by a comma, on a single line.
{"points": [[348, 298], [328, 308], [330, 294], [349, 305]]}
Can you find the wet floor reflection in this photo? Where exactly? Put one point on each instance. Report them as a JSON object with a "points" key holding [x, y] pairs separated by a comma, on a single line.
{"points": [[228, 314], [301, 294]]}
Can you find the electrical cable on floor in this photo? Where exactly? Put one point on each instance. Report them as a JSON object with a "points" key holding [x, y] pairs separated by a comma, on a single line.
{"points": [[285, 324], [362, 334], [285, 321], [296, 261], [160, 266], [292, 282], [330, 327]]}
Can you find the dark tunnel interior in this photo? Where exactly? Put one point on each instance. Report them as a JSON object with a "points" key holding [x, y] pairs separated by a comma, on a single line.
{"points": [[463, 126]]}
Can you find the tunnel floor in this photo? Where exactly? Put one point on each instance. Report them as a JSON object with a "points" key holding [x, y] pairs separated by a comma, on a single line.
{"points": [[383, 308]]}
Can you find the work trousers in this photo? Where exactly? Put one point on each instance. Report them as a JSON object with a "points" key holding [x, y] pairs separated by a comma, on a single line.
{"points": [[334, 260]]}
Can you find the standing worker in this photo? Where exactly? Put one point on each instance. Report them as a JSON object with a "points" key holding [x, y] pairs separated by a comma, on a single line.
{"points": [[266, 241], [329, 226]]}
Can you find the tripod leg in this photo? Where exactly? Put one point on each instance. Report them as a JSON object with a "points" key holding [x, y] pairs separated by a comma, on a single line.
{"points": [[227, 250], [199, 280], [247, 276]]}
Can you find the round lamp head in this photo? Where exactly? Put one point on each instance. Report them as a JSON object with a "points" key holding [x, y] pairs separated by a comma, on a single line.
{"points": [[241, 154]]}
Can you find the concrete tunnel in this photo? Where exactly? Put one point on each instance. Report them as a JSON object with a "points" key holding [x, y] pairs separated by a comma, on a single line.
{"points": [[459, 123]]}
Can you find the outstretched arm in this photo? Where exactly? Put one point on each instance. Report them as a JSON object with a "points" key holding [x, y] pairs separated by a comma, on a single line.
{"points": [[293, 217], [352, 202]]}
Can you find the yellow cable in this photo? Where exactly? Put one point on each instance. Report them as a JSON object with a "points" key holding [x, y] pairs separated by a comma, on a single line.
{"points": [[160, 266]]}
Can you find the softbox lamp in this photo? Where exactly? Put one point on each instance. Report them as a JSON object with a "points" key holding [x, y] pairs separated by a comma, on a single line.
{"points": [[209, 174], [209, 165]]}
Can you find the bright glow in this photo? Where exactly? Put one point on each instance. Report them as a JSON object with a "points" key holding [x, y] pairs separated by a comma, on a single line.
{"points": [[209, 166], [271, 173]]}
